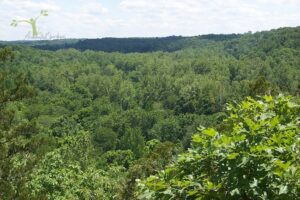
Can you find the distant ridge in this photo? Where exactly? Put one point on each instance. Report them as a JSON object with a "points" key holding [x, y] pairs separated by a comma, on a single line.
{"points": [[233, 42]]}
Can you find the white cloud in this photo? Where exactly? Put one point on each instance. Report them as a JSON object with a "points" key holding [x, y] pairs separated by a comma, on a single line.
{"points": [[280, 2], [192, 17], [94, 8], [21, 9], [89, 20], [92, 18], [86, 20]]}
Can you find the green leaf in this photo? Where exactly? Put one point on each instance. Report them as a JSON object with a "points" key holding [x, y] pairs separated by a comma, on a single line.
{"points": [[292, 105], [236, 191], [232, 156], [210, 132], [283, 189], [251, 124], [254, 183], [267, 115], [197, 138], [268, 98]]}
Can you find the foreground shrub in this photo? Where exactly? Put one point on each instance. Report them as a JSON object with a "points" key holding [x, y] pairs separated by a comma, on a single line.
{"points": [[256, 155]]}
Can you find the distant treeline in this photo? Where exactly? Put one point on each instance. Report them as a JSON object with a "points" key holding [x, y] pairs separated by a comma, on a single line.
{"points": [[128, 45], [234, 44]]}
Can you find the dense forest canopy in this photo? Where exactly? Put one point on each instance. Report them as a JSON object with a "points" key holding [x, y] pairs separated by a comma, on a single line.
{"points": [[85, 119]]}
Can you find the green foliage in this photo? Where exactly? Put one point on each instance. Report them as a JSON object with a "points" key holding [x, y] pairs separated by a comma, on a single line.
{"points": [[119, 158], [67, 115], [134, 141], [19, 138], [260, 87], [156, 156], [105, 139], [255, 157], [6, 54], [56, 179], [68, 173]]}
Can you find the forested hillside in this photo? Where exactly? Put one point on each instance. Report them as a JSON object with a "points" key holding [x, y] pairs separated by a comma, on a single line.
{"points": [[86, 119]]}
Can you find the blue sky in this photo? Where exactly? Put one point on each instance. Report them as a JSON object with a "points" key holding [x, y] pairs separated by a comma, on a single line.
{"points": [[146, 18]]}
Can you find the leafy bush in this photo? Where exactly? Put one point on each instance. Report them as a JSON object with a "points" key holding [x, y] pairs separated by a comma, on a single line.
{"points": [[254, 156], [70, 173]]}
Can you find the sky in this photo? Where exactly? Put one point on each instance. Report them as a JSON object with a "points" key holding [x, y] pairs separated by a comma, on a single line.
{"points": [[145, 18]]}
